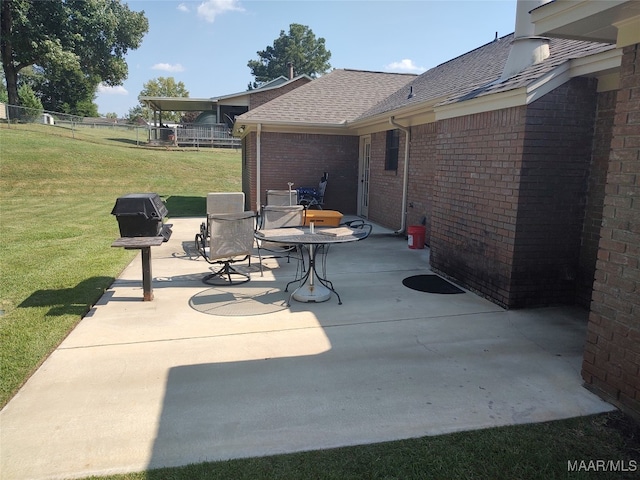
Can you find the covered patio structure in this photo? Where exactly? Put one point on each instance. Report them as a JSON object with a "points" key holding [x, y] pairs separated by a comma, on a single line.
{"points": [[212, 128]]}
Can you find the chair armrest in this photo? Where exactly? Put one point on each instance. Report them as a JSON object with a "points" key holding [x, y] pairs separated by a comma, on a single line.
{"points": [[359, 224]]}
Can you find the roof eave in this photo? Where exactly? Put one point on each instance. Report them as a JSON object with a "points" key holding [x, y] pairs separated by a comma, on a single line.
{"points": [[242, 128], [485, 103], [152, 102], [605, 66], [611, 21], [414, 114]]}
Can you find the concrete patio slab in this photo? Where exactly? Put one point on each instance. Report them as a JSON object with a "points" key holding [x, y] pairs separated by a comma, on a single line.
{"points": [[206, 373]]}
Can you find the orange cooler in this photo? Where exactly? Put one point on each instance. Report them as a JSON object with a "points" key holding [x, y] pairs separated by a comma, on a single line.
{"points": [[323, 218]]}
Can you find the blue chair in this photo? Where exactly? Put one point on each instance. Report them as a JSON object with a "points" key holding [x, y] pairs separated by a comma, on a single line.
{"points": [[312, 197]]}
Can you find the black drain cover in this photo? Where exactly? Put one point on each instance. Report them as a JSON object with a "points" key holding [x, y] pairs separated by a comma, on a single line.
{"points": [[430, 284]]}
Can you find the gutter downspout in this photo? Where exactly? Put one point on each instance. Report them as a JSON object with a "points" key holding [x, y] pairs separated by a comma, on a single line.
{"points": [[258, 169], [405, 174]]}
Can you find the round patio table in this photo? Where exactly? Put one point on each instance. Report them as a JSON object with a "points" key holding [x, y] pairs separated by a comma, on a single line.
{"points": [[313, 287]]}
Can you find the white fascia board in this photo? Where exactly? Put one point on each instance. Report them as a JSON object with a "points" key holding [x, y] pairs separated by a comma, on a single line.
{"points": [[557, 14], [322, 129], [382, 123], [548, 82], [292, 127], [603, 63], [628, 32], [238, 101], [409, 116], [486, 103]]}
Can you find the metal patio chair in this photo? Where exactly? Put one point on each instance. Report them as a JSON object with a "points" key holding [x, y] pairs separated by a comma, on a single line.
{"points": [[222, 202], [228, 240], [279, 216]]}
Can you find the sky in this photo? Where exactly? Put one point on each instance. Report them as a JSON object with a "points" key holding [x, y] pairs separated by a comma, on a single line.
{"points": [[206, 44]]}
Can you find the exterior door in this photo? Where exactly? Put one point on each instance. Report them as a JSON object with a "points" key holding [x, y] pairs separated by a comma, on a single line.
{"points": [[363, 185]]}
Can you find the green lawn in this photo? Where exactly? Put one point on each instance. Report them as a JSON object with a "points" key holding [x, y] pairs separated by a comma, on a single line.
{"points": [[540, 451], [57, 189]]}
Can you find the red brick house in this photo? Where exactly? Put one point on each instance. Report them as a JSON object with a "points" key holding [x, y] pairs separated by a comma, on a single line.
{"points": [[521, 158], [298, 136]]}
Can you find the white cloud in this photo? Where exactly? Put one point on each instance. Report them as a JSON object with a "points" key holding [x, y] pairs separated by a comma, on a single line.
{"points": [[107, 90], [210, 9], [183, 8], [167, 67], [405, 65]]}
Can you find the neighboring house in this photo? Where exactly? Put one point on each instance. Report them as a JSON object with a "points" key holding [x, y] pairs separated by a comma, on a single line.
{"points": [[521, 157], [213, 125], [225, 108]]}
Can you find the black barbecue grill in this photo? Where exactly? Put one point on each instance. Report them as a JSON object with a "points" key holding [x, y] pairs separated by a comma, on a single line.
{"points": [[142, 215]]}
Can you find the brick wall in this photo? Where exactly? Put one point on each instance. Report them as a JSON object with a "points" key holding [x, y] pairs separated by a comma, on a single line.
{"points": [[509, 197], [475, 198], [421, 176], [385, 203], [385, 186], [611, 363], [556, 158], [258, 97], [302, 159], [595, 197]]}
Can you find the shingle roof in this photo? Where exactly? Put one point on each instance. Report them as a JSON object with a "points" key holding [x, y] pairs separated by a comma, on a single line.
{"points": [[475, 74], [344, 96], [333, 99]]}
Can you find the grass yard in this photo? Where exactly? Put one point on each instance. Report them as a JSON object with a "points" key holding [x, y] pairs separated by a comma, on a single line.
{"points": [[57, 189], [541, 451], [56, 195]]}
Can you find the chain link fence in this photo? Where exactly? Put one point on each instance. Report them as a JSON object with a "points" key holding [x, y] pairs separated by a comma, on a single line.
{"points": [[184, 135], [74, 125]]}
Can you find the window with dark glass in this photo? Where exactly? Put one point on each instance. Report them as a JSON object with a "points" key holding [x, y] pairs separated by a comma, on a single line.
{"points": [[393, 143]]}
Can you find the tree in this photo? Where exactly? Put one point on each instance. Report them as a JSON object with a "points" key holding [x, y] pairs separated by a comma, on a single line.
{"points": [[81, 108], [66, 90], [87, 36], [299, 47], [32, 107], [163, 87], [135, 114], [4, 98]]}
